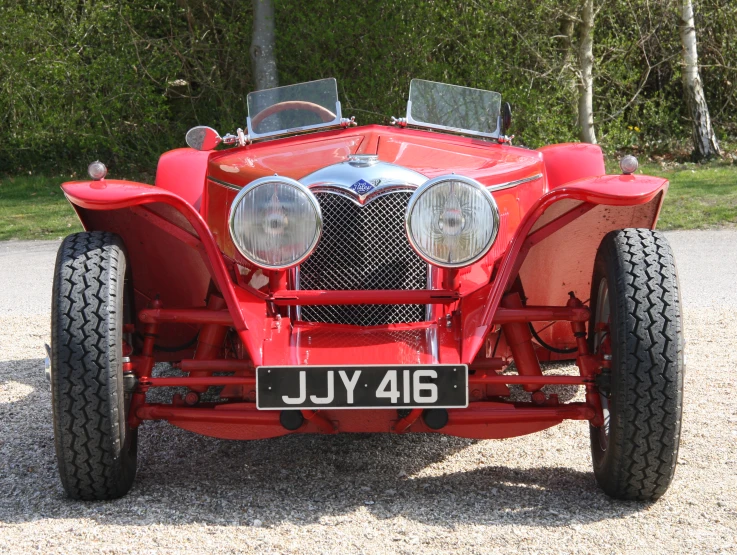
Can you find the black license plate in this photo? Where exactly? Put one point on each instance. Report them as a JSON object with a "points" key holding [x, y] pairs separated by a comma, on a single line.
{"points": [[362, 387]]}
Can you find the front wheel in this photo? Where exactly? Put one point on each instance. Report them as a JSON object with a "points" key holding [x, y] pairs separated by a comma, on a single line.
{"points": [[95, 447], [636, 322]]}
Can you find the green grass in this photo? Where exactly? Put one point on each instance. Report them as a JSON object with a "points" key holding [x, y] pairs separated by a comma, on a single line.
{"points": [[699, 196], [33, 207]]}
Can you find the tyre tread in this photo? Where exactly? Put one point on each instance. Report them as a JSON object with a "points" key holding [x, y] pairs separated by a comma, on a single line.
{"points": [[647, 431], [85, 385]]}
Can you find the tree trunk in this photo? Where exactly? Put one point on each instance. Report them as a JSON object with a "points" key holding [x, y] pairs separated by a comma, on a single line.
{"points": [[704, 140], [567, 28], [569, 64], [586, 66], [263, 50]]}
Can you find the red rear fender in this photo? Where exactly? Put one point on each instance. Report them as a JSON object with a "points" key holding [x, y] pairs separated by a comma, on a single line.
{"points": [[183, 171], [570, 161]]}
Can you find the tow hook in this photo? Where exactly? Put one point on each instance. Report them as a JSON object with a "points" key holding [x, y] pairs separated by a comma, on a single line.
{"points": [[47, 365]]}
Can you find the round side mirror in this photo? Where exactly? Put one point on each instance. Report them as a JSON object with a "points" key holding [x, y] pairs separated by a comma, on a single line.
{"points": [[203, 138], [506, 117]]}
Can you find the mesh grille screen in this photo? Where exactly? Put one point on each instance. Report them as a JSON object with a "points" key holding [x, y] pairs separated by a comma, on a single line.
{"points": [[363, 248]]}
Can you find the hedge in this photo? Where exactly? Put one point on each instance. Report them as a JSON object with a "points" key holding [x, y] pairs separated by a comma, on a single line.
{"points": [[123, 81]]}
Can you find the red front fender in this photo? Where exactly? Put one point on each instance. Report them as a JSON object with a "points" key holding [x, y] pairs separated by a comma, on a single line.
{"points": [[112, 194], [593, 206], [614, 190], [478, 309]]}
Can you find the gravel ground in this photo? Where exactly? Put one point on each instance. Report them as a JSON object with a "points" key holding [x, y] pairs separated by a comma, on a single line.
{"points": [[373, 493]]}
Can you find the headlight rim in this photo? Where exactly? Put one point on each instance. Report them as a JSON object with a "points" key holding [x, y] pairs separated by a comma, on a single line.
{"points": [[286, 181], [422, 189]]}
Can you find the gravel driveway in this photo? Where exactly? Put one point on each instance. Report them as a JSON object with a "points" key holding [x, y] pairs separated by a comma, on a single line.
{"points": [[373, 493]]}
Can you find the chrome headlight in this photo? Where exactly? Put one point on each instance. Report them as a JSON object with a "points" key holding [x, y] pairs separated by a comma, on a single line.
{"points": [[275, 222], [452, 221]]}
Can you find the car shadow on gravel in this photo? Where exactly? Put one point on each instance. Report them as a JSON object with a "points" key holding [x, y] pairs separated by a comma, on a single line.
{"points": [[298, 479]]}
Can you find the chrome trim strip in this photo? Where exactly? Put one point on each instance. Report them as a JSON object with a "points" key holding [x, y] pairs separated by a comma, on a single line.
{"points": [[429, 307], [379, 191], [361, 200], [347, 174], [509, 184], [434, 350], [295, 311], [225, 184]]}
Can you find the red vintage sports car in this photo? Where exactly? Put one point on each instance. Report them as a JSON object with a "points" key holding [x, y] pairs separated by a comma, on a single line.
{"points": [[325, 278]]}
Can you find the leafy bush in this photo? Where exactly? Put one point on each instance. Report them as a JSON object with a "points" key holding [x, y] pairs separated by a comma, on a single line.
{"points": [[118, 81], [123, 81]]}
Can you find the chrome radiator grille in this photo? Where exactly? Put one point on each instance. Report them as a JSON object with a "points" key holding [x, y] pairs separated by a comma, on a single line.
{"points": [[363, 248]]}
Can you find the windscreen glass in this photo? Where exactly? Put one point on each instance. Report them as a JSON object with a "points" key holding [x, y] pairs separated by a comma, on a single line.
{"points": [[293, 108], [442, 106]]}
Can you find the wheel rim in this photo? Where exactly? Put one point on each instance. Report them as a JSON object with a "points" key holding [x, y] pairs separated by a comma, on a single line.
{"points": [[601, 325]]}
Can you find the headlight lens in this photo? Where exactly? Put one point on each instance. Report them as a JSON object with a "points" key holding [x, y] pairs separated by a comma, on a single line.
{"points": [[452, 221], [275, 222]]}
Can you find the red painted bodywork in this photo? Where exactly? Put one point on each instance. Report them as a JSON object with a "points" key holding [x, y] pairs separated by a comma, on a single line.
{"points": [[191, 282], [183, 171]]}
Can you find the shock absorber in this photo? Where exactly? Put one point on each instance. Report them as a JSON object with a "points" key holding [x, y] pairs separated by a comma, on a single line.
{"points": [[209, 341], [519, 339], [587, 363]]}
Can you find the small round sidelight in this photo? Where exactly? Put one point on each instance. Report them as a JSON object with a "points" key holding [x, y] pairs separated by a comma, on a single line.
{"points": [[452, 221], [629, 164], [275, 222], [97, 170]]}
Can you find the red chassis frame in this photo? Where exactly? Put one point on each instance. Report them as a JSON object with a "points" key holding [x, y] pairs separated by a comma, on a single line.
{"points": [[463, 324]]}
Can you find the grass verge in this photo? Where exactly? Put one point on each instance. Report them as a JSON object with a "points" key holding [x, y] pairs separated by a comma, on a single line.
{"points": [[700, 196], [34, 207]]}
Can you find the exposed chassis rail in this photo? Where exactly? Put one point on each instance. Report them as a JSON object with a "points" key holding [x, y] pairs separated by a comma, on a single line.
{"points": [[513, 318], [519, 412], [502, 315]]}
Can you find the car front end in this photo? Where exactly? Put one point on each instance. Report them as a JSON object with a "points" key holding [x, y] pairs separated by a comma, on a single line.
{"points": [[366, 279]]}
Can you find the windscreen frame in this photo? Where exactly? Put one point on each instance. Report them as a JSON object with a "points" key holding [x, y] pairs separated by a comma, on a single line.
{"points": [[253, 135], [476, 133]]}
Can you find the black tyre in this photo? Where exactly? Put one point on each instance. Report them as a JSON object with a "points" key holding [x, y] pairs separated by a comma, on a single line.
{"points": [[95, 448], [635, 300]]}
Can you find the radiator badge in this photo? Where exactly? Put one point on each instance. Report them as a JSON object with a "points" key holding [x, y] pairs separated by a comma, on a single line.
{"points": [[362, 187]]}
